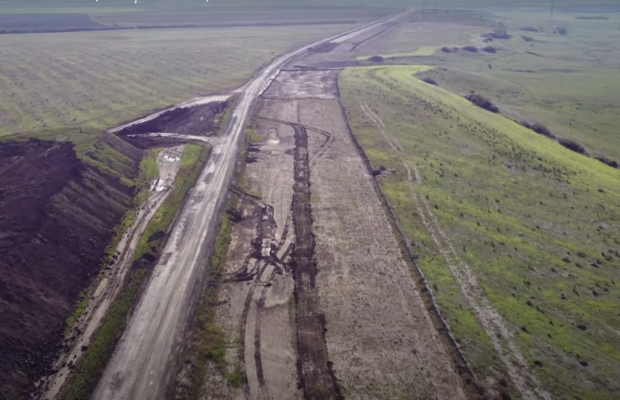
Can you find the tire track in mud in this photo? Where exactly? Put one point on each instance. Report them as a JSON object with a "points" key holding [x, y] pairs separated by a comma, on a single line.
{"points": [[329, 139], [490, 319], [316, 377], [264, 259]]}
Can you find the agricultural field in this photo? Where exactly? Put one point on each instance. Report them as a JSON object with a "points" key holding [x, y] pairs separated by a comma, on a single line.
{"points": [[28, 23], [227, 16], [516, 233], [95, 80]]}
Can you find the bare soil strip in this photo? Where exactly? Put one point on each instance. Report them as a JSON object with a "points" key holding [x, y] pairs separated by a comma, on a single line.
{"points": [[316, 376], [489, 317]]}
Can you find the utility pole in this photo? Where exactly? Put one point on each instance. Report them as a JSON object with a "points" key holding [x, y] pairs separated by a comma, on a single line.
{"points": [[551, 14]]}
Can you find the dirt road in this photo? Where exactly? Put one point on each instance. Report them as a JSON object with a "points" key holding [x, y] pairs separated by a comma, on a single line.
{"points": [[342, 305], [145, 358]]}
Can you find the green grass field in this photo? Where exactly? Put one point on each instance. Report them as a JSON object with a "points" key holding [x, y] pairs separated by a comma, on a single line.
{"points": [[536, 222]]}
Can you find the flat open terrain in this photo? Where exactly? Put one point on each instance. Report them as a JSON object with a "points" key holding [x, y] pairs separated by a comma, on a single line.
{"points": [[96, 80], [516, 234]]}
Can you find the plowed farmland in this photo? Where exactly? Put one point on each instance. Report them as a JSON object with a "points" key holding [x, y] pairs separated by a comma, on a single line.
{"points": [[96, 80]]}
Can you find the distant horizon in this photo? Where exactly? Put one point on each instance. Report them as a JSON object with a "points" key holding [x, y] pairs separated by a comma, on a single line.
{"points": [[560, 5]]}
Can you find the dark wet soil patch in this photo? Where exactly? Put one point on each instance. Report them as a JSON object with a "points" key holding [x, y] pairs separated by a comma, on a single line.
{"points": [[315, 375], [196, 121], [57, 216]]}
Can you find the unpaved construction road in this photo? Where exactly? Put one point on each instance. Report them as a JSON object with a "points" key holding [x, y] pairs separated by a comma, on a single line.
{"points": [[145, 358], [317, 300]]}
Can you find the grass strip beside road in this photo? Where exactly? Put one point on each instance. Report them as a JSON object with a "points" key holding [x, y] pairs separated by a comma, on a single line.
{"points": [[422, 51], [91, 366], [209, 340], [149, 171], [192, 161]]}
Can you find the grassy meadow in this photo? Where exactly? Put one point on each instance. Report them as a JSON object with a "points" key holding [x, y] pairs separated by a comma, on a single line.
{"points": [[537, 222]]}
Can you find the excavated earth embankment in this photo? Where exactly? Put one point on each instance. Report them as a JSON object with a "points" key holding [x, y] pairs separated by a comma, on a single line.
{"points": [[57, 216]]}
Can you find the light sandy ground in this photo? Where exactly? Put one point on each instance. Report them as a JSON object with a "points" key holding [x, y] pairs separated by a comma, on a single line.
{"points": [[112, 282], [379, 336], [303, 85], [251, 311]]}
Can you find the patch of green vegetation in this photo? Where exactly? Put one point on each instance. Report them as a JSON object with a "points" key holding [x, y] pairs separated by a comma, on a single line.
{"points": [[192, 161], [91, 366], [422, 51], [78, 310], [221, 120], [149, 171], [535, 221], [209, 340]]}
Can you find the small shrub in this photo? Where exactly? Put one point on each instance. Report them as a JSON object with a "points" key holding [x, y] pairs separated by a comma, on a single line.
{"points": [[607, 161], [430, 81], [538, 128], [583, 327], [561, 31], [481, 102], [529, 29], [527, 38], [489, 49], [572, 145], [445, 49], [376, 59], [471, 49]]}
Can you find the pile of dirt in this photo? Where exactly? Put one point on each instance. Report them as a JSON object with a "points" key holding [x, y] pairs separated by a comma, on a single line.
{"points": [[196, 121], [57, 216]]}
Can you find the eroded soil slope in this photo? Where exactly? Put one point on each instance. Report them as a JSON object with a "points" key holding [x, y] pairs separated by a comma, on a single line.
{"points": [[56, 219], [193, 121]]}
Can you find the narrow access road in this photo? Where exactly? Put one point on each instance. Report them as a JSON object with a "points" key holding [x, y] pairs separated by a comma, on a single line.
{"points": [[143, 364]]}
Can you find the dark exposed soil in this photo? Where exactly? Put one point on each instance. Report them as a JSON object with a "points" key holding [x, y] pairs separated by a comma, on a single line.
{"points": [[56, 219], [196, 121], [315, 374]]}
